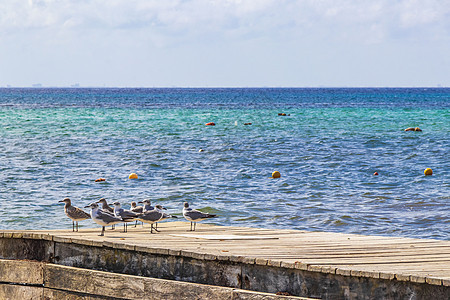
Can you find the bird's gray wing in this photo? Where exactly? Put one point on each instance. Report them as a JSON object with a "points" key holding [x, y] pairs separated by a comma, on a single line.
{"points": [[128, 214], [107, 218], [195, 214], [151, 215]]}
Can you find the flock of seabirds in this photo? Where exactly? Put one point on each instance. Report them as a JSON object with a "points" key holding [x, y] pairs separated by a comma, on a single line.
{"points": [[146, 213]]}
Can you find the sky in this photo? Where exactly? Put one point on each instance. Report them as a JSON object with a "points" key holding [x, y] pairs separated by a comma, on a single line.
{"points": [[225, 43]]}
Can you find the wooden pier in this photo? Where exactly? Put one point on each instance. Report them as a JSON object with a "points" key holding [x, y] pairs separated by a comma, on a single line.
{"points": [[299, 263]]}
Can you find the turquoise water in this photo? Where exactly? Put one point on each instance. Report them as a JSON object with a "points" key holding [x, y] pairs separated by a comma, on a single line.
{"points": [[56, 142]]}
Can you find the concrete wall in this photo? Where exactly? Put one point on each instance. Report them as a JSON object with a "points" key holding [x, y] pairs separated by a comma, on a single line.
{"points": [[232, 272]]}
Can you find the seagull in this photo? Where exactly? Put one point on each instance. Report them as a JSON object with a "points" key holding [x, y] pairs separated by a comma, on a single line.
{"points": [[147, 205], [102, 218], [150, 217], [106, 208], [194, 215], [125, 214], [164, 216], [74, 213], [136, 209]]}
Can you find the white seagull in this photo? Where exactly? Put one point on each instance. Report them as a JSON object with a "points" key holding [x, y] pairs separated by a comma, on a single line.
{"points": [[194, 215], [102, 218]]}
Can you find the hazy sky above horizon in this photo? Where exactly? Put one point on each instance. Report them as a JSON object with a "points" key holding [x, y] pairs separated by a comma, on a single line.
{"points": [[225, 43]]}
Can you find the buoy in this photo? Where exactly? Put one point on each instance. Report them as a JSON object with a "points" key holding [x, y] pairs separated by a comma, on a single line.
{"points": [[276, 174], [376, 173], [133, 176], [210, 124], [428, 172], [100, 179], [201, 150], [247, 123], [413, 129]]}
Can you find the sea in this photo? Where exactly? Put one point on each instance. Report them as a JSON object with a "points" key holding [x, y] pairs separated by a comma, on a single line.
{"points": [[55, 143]]}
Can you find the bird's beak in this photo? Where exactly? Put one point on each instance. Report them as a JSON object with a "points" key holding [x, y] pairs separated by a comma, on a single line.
{"points": [[61, 201], [140, 202], [164, 208], [87, 206]]}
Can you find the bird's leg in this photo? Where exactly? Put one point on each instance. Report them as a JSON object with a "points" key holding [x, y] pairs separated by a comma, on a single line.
{"points": [[191, 227], [151, 228], [135, 224], [195, 224], [156, 227], [77, 226], [103, 231], [73, 225]]}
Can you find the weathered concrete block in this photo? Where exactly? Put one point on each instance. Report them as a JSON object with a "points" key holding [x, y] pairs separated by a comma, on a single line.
{"points": [[15, 292], [50, 294], [149, 265], [435, 281], [60, 239], [40, 250], [23, 272]]}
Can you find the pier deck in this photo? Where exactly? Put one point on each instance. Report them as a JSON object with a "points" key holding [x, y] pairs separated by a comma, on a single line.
{"points": [[416, 262]]}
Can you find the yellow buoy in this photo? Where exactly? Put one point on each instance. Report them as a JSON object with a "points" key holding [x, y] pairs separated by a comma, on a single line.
{"points": [[428, 171], [133, 176], [276, 174]]}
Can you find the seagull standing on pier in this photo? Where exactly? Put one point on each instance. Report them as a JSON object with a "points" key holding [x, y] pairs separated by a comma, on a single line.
{"points": [[106, 208], [194, 215], [102, 218], [151, 217], [74, 213], [125, 214]]}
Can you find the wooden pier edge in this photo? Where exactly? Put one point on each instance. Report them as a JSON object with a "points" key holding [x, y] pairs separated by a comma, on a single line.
{"points": [[271, 260]]}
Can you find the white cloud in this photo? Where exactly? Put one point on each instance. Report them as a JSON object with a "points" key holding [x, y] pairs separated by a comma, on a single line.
{"points": [[130, 39], [225, 17]]}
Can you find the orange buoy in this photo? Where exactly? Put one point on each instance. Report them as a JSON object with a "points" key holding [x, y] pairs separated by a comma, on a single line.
{"points": [[133, 176], [428, 172], [100, 179], [210, 124], [276, 174], [376, 173]]}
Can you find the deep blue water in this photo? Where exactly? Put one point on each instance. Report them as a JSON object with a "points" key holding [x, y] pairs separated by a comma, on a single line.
{"points": [[56, 142]]}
